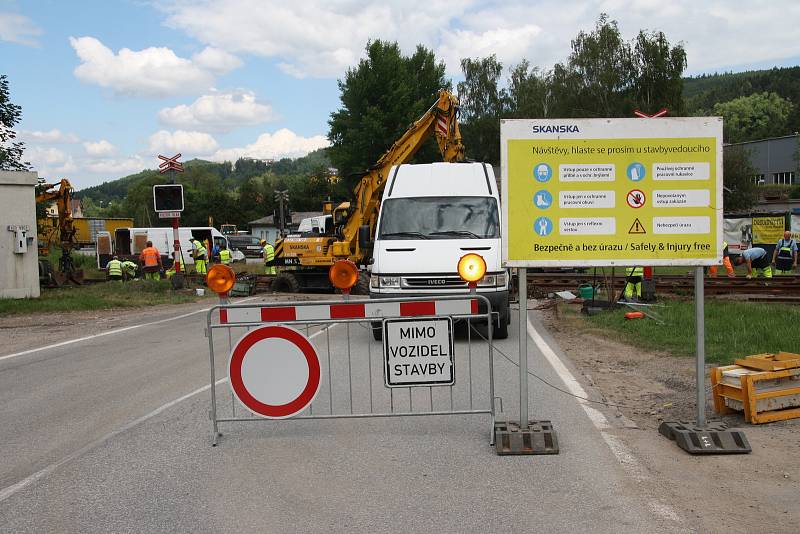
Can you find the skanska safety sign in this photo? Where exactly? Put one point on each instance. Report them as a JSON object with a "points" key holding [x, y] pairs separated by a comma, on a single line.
{"points": [[603, 192], [418, 352]]}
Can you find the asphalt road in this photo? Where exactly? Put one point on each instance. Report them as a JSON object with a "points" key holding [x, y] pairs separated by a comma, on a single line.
{"points": [[85, 452]]}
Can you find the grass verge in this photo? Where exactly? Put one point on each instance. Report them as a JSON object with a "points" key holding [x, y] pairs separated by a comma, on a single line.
{"points": [[137, 293], [732, 329]]}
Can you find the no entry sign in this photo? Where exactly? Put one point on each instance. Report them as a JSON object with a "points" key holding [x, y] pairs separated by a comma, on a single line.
{"points": [[274, 371]]}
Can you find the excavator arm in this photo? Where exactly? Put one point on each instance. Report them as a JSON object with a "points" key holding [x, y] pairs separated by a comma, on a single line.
{"points": [[66, 226], [441, 120]]}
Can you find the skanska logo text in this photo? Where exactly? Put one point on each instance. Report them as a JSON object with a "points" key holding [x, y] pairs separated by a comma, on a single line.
{"points": [[556, 128]]}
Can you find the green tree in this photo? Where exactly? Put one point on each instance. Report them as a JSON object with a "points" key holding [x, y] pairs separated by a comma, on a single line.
{"points": [[528, 92], [598, 77], [756, 116], [605, 76], [738, 177], [482, 104], [380, 99], [658, 73], [10, 114], [702, 92]]}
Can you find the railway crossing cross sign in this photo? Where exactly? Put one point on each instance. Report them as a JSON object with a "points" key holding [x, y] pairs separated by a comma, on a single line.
{"points": [[170, 164]]}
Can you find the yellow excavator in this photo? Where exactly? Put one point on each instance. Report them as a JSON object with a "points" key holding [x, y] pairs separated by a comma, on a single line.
{"points": [[66, 235], [350, 226]]}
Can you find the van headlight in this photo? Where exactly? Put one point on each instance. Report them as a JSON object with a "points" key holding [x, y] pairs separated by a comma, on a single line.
{"points": [[493, 280], [487, 281], [378, 281]]}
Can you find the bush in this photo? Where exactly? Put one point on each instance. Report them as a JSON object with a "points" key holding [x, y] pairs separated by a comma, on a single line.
{"points": [[795, 192], [775, 191]]}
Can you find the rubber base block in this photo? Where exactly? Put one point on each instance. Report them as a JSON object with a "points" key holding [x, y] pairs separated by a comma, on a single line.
{"points": [[714, 438]]}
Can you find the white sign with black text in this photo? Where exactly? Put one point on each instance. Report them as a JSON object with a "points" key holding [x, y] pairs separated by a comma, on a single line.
{"points": [[418, 352]]}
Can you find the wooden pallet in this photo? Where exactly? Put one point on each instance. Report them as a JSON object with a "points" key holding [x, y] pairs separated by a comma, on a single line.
{"points": [[763, 396], [771, 362]]}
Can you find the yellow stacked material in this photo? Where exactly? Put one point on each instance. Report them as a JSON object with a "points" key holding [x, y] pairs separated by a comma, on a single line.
{"points": [[771, 362], [766, 387]]}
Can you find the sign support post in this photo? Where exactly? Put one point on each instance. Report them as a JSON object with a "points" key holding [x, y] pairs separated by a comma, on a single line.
{"points": [[522, 284], [699, 312]]}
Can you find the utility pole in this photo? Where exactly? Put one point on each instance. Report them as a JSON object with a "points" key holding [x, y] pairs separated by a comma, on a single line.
{"points": [[281, 197]]}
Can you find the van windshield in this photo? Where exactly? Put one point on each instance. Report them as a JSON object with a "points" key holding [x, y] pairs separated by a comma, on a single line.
{"points": [[439, 218]]}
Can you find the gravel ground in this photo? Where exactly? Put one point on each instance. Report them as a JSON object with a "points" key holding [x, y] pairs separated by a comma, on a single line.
{"points": [[729, 493]]}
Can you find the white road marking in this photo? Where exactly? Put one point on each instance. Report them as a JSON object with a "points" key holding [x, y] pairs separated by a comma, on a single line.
{"points": [[623, 454], [110, 332], [7, 492]]}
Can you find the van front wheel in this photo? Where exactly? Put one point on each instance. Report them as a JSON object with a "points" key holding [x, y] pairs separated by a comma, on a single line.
{"points": [[500, 329]]}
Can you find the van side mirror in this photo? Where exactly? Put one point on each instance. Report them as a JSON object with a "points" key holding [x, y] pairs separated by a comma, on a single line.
{"points": [[364, 237]]}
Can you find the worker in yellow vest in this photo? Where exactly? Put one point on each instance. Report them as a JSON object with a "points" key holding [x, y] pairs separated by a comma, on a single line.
{"points": [[224, 255], [171, 271], [199, 253], [634, 283], [785, 256], [128, 270], [114, 269], [269, 256]]}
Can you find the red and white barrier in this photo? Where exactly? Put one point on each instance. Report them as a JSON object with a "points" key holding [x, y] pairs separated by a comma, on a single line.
{"points": [[348, 310]]}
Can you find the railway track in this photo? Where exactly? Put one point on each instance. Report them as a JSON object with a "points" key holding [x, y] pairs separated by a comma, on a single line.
{"points": [[780, 287]]}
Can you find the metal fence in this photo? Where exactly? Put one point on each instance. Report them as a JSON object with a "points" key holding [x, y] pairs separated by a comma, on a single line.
{"points": [[352, 381]]}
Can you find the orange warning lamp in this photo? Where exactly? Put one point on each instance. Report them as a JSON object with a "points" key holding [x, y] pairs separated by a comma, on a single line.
{"points": [[471, 267], [343, 274], [220, 279]]}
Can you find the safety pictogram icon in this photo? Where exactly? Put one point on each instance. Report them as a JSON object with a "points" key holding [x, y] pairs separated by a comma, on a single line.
{"points": [[274, 371], [636, 198], [637, 227]]}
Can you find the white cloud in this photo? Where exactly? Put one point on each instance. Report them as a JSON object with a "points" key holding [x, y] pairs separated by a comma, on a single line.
{"points": [[189, 144], [113, 168], [154, 71], [99, 148], [310, 38], [218, 111], [51, 136], [18, 29], [509, 45], [45, 155], [322, 38], [51, 163], [216, 60], [282, 144]]}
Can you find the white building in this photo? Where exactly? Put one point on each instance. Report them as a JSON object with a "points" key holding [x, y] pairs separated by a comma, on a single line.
{"points": [[19, 265]]}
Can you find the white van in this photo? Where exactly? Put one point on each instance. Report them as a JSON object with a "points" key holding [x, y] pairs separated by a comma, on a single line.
{"points": [[128, 243], [430, 216]]}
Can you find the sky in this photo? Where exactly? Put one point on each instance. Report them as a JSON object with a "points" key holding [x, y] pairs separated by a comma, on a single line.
{"points": [[106, 86]]}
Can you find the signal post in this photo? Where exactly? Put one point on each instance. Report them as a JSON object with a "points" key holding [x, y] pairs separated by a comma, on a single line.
{"points": [[168, 203]]}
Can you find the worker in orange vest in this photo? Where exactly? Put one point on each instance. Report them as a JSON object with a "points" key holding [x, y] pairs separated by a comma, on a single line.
{"points": [[151, 262]]}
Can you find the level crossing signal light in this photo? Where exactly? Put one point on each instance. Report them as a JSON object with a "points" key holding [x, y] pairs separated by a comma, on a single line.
{"points": [[168, 197], [220, 279], [343, 274]]}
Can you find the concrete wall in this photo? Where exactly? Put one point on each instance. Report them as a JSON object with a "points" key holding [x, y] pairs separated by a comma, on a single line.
{"points": [[19, 273]]}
